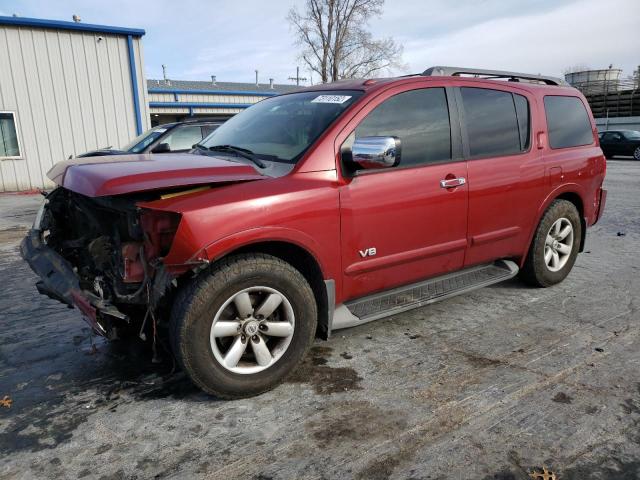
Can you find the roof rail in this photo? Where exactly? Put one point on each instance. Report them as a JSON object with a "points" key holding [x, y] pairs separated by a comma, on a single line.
{"points": [[490, 74]]}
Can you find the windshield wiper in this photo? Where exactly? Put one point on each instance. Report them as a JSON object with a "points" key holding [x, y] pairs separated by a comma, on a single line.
{"points": [[243, 152]]}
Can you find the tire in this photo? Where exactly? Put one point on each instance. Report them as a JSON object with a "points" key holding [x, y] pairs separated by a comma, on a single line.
{"points": [[636, 153], [541, 270], [213, 298]]}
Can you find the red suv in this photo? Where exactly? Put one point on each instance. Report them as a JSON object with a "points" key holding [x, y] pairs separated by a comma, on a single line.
{"points": [[323, 209]]}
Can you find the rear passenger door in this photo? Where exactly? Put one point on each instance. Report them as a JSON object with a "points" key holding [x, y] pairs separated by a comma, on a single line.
{"points": [[400, 224], [506, 175]]}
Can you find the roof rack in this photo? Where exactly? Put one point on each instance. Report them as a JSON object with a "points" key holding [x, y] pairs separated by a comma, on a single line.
{"points": [[490, 74]]}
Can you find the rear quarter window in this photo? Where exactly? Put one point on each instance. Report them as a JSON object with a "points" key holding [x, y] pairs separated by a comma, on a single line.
{"points": [[567, 122]]}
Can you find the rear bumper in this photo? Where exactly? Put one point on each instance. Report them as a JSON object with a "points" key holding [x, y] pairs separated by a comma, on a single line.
{"points": [[59, 281]]}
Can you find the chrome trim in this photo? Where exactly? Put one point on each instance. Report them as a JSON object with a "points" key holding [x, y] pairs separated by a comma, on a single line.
{"points": [[375, 152], [453, 182]]}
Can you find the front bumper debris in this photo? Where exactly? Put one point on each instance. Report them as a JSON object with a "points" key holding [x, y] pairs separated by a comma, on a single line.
{"points": [[59, 281]]}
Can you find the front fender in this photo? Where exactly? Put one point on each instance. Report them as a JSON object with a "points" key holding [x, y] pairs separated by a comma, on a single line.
{"points": [[230, 243]]}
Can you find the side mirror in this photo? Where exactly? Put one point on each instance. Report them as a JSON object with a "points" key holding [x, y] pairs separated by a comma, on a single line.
{"points": [[375, 152], [161, 148]]}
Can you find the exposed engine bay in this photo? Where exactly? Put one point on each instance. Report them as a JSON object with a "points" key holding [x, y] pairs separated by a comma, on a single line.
{"points": [[104, 256]]}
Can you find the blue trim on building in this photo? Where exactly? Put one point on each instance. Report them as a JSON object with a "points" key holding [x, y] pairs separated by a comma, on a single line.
{"points": [[198, 105], [61, 25], [134, 84], [212, 92]]}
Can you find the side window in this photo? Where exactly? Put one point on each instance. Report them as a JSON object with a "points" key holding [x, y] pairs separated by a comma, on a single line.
{"points": [[207, 129], [420, 118], [492, 125], [8, 136], [524, 120], [567, 121], [183, 138]]}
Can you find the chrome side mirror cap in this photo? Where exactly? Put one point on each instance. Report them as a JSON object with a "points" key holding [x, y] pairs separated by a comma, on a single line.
{"points": [[375, 152]]}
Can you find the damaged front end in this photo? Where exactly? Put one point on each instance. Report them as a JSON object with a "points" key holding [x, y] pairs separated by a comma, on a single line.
{"points": [[103, 255]]}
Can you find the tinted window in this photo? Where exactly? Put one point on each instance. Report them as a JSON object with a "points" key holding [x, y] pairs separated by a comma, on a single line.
{"points": [[568, 122], [522, 111], [491, 121], [612, 136], [207, 129], [632, 135], [420, 118]]}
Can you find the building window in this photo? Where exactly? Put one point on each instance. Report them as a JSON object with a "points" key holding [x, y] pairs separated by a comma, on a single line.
{"points": [[9, 147]]}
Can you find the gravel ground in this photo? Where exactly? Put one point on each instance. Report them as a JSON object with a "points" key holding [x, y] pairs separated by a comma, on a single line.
{"points": [[492, 385]]}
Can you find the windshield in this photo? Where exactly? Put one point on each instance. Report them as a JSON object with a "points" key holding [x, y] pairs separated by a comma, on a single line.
{"points": [[142, 141], [282, 128]]}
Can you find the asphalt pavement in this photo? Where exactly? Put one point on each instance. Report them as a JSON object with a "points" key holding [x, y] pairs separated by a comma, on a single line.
{"points": [[496, 384]]}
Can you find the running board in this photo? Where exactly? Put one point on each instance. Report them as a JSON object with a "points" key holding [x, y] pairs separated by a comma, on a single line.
{"points": [[401, 299]]}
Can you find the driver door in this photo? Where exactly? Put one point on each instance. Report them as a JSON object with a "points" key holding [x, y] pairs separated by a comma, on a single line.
{"points": [[400, 224]]}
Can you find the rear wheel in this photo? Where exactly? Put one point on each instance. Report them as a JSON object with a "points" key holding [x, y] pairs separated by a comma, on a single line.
{"points": [[636, 153], [555, 245], [242, 327]]}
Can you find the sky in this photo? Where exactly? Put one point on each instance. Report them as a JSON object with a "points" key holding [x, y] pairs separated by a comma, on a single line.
{"points": [[232, 39]]}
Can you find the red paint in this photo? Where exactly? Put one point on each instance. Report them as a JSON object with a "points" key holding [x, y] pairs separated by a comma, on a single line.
{"points": [[417, 228], [119, 174]]}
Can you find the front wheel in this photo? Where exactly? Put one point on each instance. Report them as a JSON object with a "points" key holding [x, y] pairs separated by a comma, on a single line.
{"points": [[555, 245], [239, 329], [636, 153]]}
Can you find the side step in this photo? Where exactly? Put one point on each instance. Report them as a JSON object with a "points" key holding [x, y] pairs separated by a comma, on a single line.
{"points": [[401, 299]]}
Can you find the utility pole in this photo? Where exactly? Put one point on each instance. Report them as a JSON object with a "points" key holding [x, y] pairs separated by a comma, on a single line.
{"points": [[298, 78]]}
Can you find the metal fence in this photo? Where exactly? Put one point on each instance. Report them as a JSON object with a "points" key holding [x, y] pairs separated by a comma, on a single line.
{"points": [[612, 98]]}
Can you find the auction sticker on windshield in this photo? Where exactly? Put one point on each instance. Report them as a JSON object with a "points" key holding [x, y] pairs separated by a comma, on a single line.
{"points": [[331, 99]]}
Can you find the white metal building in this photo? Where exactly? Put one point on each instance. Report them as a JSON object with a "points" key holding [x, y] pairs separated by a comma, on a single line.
{"points": [[65, 88], [173, 100]]}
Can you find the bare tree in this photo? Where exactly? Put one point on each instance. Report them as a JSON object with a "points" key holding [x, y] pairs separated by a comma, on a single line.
{"points": [[335, 40]]}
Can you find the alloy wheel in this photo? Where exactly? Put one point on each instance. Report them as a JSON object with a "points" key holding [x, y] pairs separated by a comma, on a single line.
{"points": [[636, 153], [558, 244], [252, 330]]}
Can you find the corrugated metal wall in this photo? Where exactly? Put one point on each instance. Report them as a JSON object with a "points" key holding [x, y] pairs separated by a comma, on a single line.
{"points": [[204, 98], [200, 98], [71, 92]]}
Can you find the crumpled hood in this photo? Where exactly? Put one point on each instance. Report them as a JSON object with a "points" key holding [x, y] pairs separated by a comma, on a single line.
{"points": [[115, 175]]}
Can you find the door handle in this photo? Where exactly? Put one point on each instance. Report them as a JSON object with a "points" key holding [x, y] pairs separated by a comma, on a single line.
{"points": [[452, 182]]}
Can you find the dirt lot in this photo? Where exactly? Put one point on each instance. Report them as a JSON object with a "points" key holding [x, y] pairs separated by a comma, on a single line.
{"points": [[492, 385]]}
